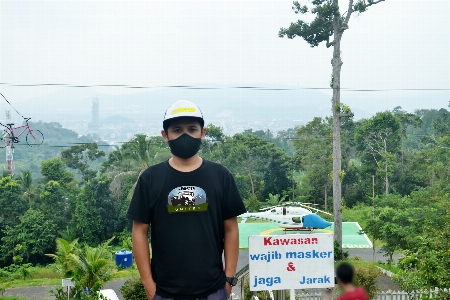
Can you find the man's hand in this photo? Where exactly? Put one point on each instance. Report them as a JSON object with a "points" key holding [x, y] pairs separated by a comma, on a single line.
{"points": [[228, 287], [150, 288], [328, 293]]}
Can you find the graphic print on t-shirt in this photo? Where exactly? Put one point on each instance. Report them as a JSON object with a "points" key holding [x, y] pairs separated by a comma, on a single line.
{"points": [[187, 199]]}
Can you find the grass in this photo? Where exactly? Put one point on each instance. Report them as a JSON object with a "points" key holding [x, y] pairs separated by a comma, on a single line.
{"points": [[11, 298], [16, 283], [358, 262], [48, 276], [39, 276], [392, 268], [359, 213], [126, 273]]}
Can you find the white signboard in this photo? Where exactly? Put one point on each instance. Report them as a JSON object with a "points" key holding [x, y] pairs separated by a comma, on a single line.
{"points": [[294, 261], [66, 282]]}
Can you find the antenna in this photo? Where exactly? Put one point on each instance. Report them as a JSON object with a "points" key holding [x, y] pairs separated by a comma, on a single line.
{"points": [[9, 146]]}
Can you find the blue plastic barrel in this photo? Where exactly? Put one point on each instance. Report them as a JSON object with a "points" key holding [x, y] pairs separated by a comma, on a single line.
{"points": [[124, 258]]}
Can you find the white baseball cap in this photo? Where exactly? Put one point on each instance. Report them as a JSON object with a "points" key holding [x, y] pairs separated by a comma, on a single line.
{"points": [[182, 109]]}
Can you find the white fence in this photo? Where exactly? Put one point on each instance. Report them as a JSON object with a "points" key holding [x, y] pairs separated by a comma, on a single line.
{"points": [[386, 295]]}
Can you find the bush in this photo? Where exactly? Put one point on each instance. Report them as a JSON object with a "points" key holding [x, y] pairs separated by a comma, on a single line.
{"points": [[366, 276], [252, 204], [60, 293], [338, 255], [133, 289]]}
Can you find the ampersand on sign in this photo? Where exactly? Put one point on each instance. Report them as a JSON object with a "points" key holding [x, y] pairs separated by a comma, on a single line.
{"points": [[290, 267]]}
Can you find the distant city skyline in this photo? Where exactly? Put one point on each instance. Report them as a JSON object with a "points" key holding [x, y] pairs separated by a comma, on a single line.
{"points": [[122, 116]]}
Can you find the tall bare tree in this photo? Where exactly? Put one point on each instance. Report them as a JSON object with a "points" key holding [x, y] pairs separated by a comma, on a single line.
{"points": [[328, 23]]}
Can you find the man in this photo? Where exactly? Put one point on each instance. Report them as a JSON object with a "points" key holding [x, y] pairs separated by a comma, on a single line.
{"points": [[345, 276], [192, 205]]}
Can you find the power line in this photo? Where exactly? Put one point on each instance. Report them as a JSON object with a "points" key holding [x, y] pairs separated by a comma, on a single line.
{"points": [[259, 88], [74, 144], [11, 106]]}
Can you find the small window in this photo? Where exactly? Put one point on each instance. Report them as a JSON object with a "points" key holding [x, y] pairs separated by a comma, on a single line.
{"points": [[273, 210], [297, 220]]}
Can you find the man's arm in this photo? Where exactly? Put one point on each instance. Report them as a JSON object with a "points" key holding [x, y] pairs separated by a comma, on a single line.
{"points": [[142, 256], [231, 248]]}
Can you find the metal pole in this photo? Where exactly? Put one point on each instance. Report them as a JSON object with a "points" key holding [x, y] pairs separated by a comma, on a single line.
{"points": [[292, 295], [9, 147]]}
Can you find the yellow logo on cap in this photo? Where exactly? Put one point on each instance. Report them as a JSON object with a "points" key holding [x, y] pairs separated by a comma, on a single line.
{"points": [[183, 109]]}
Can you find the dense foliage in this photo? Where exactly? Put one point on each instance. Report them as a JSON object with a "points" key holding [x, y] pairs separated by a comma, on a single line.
{"points": [[396, 161]]}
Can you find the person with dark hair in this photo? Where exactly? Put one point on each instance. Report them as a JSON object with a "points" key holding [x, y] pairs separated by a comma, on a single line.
{"points": [[345, 274], [192, 206]]}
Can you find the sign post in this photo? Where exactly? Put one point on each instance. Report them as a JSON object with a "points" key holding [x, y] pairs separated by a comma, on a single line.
{"points": [[67, 282], [290, 262]]}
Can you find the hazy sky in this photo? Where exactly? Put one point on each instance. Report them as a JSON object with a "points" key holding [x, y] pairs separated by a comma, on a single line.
{"points": [[396, 44]]}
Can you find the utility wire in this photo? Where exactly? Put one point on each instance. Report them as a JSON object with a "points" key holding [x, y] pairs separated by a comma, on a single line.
{"points": [[216, 88], [72, 144], [12, 106]]}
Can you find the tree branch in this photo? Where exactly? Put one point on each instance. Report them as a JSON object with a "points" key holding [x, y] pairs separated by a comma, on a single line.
{"points": [[328, 43], [346, 115], [375, 2], [349, 13], [372, 150]]}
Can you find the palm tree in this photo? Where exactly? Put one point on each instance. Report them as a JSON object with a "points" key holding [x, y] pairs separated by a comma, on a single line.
{"points": [[94, 266], [89, 267], [26, 182], [66, 256], [133, 158]]}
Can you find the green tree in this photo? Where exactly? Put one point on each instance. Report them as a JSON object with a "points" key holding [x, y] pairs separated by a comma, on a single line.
{"points": [[89, 267], [314, 152], [214, 137], [241, 152], [378, 140], [132, 159], [87, 218], [254, 157], [65, 257], [55, 169], [12, 204], [36, 231], [53, 203], [330, 22], [93, 266], [81, 157], [275, 199], [374, 229], [26, 183], [427, 261]]}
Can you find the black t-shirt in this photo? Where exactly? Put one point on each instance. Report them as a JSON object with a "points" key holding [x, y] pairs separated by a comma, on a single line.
{"points": [[186, 211]]}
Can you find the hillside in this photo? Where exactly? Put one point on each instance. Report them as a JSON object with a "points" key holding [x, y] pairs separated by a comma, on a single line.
{"points": [[56, 139]]}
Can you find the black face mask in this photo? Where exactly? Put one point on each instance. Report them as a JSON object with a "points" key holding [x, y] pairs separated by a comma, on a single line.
{"points": [[185, 146]]}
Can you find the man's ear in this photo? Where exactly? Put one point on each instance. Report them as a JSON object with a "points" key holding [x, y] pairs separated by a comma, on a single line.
{"points": [[203, 133], [164, 135]]}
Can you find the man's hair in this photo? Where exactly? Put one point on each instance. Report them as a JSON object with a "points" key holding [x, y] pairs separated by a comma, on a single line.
{"points": [[345, 272]]}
